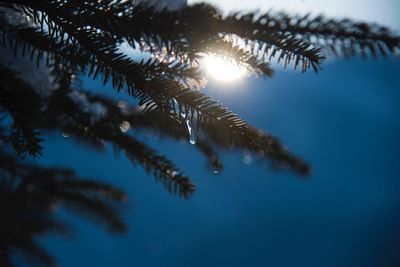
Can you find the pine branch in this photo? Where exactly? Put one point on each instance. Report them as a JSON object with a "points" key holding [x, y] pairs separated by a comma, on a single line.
{"points": [[28, 194], [343, 37], [24, 136], [253, 64], [107, 129], [273, 44], [62, 113], [190, 101], [188, 21], [26, 142], [260, 143], [161, 168], [166, 126]]}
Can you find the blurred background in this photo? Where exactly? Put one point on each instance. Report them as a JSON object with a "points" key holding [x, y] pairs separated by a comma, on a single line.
{"points": [[344, 121]]}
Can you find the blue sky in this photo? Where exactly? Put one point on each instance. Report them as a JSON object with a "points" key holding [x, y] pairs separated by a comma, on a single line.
{"points": [[344, 121]]}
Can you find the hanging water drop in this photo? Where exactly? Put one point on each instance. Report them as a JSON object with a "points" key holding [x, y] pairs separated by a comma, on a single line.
{"points": [[189, 122], [192, 134], [125, 126], [192, 139]]}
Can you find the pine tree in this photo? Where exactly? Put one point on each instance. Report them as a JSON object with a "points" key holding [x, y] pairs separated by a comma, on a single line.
{"points": [[63, 40]]}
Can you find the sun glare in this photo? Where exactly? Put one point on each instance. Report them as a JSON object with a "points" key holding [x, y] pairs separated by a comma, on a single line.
{"points": [[223, 68]]}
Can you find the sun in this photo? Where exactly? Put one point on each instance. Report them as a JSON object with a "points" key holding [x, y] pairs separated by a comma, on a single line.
{"points": [[223, 68]]}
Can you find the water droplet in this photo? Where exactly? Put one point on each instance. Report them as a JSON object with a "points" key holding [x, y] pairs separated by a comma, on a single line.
{"points": [[192, 139], [172, 172], [125, 126], [120, 14], [216, 171], [121, 104], [65, 135], [247, 159], [192, 134], [189, 123]]}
